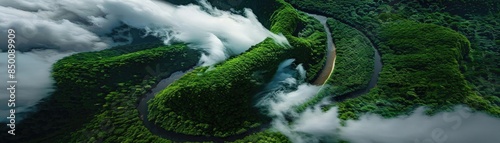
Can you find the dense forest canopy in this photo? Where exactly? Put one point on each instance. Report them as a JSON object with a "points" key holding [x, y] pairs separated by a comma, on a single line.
{"points": [[435, 53], [476, 19], [419, 70], [220, 101], [91, 83]]}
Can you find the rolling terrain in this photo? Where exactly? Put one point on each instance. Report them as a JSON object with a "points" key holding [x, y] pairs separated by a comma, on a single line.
{"points": [[311, 71]]}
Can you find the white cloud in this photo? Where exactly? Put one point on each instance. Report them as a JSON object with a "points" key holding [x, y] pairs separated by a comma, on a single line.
{"points": [[68, 25], [287, 91], [34, 82], [458, 126]]}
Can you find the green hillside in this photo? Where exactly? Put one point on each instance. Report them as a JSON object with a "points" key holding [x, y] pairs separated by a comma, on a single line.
{"points": [[218, 101], [421, 68]]}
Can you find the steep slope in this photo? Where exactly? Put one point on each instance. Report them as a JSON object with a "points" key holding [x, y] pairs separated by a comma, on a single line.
{"points": [[219, 101]]}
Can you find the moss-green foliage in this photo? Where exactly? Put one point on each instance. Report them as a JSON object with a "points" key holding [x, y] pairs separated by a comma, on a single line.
{"points": [[354, 63], [95, 89], [314, 30], [285, 20], [353, 66], [479, 26], [424, 59], [478, 20], [265, 137], [309, 26], [463, 7], [482, 68], [108, 53], [218, 101], [359, 14], [87, 74], [421, 68], [118, 120]]}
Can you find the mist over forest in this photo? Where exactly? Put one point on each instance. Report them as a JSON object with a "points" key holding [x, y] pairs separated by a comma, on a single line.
{"points": [[299, 71]]}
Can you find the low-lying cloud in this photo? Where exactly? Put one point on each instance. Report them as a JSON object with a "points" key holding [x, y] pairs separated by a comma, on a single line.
{"points": [[288, 90], [458, 126], [67, 26], [34, 82], [462, 125], [50, 25]]}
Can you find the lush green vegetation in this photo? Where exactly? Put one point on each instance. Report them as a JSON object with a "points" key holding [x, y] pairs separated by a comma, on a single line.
{"points": [[353, 66], [265, 137], [102, 72], [118, 119], [463, 7], [477, 20], [99, 91], [421, 68], [425, 64], [312, 30], [218, 101], [95, 90], [355, 59]]}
